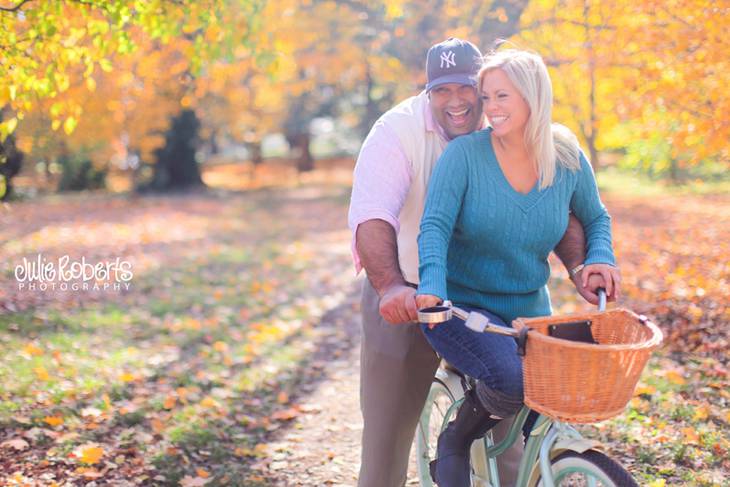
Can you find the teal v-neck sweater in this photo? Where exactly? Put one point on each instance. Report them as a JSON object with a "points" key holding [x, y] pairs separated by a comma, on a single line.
{"points": [[484, 244]]}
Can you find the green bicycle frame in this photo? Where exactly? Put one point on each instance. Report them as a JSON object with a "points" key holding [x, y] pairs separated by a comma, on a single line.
{"points": [[546, 436]]}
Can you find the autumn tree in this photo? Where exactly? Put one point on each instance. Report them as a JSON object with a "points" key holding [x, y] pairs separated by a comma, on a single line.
{"points": [[51, 47], [374, 52], [621, 68], [11, 160]]}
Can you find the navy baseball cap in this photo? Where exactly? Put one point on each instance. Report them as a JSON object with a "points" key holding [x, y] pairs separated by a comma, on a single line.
{"points": [[452, 61]]}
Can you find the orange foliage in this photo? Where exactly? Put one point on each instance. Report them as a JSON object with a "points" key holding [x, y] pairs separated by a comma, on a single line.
{"points": [[658, 64]]}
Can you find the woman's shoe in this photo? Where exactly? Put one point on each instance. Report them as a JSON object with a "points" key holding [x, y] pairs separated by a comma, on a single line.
{"points": [[451, 467]]}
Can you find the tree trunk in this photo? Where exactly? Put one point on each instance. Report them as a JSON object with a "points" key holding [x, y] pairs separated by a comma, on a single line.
{"points": [[299, 144], [176, 166], [372, 110], [257, 156], [674, 170], [305, 161]]}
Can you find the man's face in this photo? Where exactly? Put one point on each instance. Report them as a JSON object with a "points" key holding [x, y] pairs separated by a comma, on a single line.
{"points": [[457, 108]]}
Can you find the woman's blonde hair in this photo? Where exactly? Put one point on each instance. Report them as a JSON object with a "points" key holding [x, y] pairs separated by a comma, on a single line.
{"points": [[550, 143]]}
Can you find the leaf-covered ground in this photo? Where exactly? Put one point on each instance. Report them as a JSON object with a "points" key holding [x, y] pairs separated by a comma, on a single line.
{"points": [[231, 360]]}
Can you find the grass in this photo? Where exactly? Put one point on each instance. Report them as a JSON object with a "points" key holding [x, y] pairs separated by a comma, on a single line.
{"points": [[670, 432], [187, 367], [629, 184]]}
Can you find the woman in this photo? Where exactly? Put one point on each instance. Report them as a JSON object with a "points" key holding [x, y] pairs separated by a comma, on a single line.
{"points": [[497, 204]]}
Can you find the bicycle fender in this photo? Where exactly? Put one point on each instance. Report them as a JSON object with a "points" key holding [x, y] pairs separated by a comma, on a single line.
{"points": [[578, 445]]}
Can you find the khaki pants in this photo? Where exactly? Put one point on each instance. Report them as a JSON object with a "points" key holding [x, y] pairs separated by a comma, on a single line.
{"points": [[397, 366]]}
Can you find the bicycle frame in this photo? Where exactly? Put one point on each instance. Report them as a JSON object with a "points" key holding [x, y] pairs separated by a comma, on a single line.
{"points": [[548, 438]]}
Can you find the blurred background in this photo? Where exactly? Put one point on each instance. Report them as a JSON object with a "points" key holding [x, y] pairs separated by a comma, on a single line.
{"points": [[123, 95]]}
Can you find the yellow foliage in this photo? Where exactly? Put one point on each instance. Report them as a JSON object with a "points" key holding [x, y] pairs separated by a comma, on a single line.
{"points": [[209, 402], [126, 377], [170, 402], [675, 377], [33, 350], [659, 63], [41, 373], [90, 454], [53, 420]]}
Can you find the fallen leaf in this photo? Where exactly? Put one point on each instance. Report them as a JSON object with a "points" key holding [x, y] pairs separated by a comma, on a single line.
{"points": [[169, 402], [209, 402], [282, 398], [701, 413], [41, 373], [91, 412], [286, 414], [126, 377], [157, 425], [33, 350], [53, 420], [644, 391], [18, 444], [89, 473], [189, 481], [67, 437], [202, 473], [90, 454], [243, 452], [261, 450], [690, 435], [675, 377]]}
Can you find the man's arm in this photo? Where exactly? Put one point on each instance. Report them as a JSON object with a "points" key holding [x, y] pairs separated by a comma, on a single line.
{"points": [[377, 246], [571, 251]]}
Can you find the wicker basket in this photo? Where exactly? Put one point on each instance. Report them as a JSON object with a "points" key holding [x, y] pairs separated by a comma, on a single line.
{"points": [[581, 382]]}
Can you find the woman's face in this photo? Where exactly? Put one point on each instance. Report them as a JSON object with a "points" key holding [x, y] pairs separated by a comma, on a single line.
{"points": [[503, 105]]}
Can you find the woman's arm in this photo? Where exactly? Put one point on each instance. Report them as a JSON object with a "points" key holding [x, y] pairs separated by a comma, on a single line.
{"points": [[444, 198], [587, 206]]}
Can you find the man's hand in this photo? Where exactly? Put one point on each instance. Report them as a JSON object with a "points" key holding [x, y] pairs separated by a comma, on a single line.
{"points": [[398, 304], [589, 292], [426, 301], [587, 284], [610, 275]]}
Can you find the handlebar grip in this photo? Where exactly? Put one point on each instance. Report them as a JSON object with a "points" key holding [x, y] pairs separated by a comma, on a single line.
{"points": [[601, 299]]}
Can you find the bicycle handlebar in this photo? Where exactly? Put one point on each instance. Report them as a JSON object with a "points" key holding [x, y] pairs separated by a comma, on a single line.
{"points": [[477, 321]]}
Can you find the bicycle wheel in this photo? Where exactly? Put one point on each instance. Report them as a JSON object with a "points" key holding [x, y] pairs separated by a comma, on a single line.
{"points": [[445, 390], [439, 400], [590, 468]]}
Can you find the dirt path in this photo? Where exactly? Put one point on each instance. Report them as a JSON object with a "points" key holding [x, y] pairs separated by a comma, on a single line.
{"points": [[321, 447]]}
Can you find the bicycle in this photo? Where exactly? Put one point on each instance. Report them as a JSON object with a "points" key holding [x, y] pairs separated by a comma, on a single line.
{"points": [[555, 453]]}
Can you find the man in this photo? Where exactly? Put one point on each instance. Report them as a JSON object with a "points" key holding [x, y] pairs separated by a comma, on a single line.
{"points": [[390, 181]]}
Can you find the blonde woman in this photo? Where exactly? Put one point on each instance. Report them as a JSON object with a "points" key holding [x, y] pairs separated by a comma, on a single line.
{"points": [[498, 203]]}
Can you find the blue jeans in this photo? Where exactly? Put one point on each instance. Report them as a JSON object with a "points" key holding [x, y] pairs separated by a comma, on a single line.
{"points": [[489, 358]]}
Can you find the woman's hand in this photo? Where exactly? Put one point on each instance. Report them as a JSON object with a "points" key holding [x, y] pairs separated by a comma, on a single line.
{"points": [[610, 275]]}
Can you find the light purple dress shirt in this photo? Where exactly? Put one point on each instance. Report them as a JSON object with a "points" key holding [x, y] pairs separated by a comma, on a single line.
{"points": [[382, 178]]}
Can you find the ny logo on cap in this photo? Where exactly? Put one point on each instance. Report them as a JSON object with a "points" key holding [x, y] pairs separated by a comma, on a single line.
{"points": [[448, 59]]}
